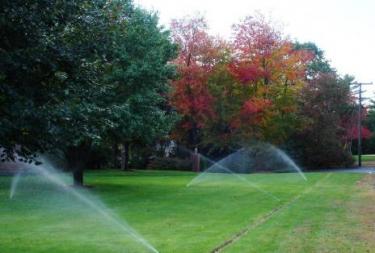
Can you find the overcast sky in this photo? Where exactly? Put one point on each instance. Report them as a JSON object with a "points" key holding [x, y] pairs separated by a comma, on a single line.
{"points": [[344, 29]]}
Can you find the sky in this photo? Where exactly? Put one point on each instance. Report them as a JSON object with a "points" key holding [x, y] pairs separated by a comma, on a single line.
{"points": [[344, 29]]}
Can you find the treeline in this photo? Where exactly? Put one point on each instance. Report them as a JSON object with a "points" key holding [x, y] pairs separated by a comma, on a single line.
{"points": [[103, 83], [260, 86]]}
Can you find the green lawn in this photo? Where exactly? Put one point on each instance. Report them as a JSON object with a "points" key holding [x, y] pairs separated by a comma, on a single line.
{"points": [[366, 158], [328, 213]]}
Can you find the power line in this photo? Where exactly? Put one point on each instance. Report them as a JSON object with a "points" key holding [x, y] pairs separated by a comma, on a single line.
{"points": [[359, 123]]}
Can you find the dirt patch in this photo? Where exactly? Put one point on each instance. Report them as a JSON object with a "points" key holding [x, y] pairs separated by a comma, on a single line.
{"points": [[367, 183]]}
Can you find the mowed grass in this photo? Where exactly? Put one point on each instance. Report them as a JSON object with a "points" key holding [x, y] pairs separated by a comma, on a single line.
{"points": [[367, 160], [275, 212]]}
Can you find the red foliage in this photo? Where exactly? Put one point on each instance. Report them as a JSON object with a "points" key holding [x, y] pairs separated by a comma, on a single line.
{"points": [[255, 36], [191, 96], [262, 54], [255, 106], [196, 45], [246, 72], [199, 52], [352, 133], [350, 124], [252, 113], [258, 58]]}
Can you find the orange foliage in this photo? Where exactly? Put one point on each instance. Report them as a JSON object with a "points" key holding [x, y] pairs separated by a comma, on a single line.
{"points": [[259, 59]]}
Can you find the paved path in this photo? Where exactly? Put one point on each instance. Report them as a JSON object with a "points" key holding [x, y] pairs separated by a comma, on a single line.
{"points": [[365, 170]]}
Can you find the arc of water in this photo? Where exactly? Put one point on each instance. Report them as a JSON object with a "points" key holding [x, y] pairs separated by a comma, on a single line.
{"points": [[241, 178], [287, 159], [101, 210], [14, 184]]}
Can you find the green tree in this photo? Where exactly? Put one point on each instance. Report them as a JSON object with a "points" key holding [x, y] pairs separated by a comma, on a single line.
{"points": [[50, 74], [74, 71], [326, 105], [319, 64], [139, 71]]}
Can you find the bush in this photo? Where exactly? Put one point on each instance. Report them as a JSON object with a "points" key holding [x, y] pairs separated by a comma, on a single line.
{"points": [[170, 163], [320, 149]]}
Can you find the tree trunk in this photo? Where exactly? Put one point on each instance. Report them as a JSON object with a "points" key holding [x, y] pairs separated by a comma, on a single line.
{"points": [[78, 177], [125, 156], [77, 157], [115, 155], [193, 135], [193, 139]]}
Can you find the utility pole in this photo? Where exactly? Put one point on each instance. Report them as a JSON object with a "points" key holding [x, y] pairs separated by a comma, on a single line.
{"points": [[359, 122]]}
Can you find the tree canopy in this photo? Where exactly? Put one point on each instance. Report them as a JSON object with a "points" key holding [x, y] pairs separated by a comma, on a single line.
{"points": [[73, 72], [81, 74]]}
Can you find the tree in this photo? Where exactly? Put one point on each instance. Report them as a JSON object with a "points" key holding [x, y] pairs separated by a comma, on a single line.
{"points": [[72, 72], [233, 92], [368, 132], [198, 54], [269, 71], [370, 120], [325, 104], [319, 64], [49, 75], [138, 67]]}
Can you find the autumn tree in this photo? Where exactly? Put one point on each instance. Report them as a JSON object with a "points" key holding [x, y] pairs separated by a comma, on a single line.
{"points": [[237, 91], [258, 86], [199, 52], [351, 126], [269, 71], [369, 123]]}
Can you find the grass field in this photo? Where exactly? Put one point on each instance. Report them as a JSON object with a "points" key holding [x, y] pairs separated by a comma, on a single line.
{"points": [[367, 160], [327, 213]]}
